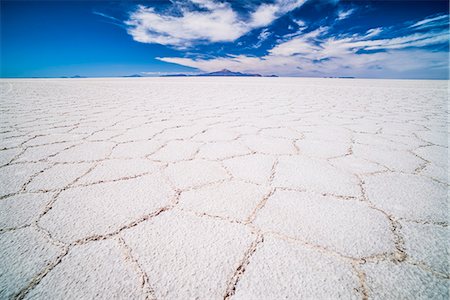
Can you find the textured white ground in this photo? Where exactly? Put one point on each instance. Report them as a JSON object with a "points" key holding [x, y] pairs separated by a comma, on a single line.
{"points": [[213, 188]]}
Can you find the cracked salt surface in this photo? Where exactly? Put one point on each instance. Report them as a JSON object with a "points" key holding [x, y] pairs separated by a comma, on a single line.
{"points": [[223, 188], [95, 270]]}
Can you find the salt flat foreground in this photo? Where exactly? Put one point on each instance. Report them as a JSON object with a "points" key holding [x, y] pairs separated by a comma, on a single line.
{"points": [[212, 188]]}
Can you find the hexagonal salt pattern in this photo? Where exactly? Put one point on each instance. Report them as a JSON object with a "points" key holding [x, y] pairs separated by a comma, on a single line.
{"points": [[438, 173], [216, 135], [312, 274], [356, 165], [229, 199], [323, 149], [408, 196], [194, 256], [89, 151], [22, 209], [221, 150], [328, 222], [315, 175], [14, 177], [421, 238], [193, 173], [119, 169], [437, 155], [269, 145], [58, 177], [255, 168], [213, 188], [387, 280], [24, 254], [135, 149], [394, 160], [8, 155], [106, 207], [176, 150], [95, 270], [39, 153]]}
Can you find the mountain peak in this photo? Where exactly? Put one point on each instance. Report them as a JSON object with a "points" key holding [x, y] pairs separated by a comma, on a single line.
{"points": [[223, 72], [226, 72]]}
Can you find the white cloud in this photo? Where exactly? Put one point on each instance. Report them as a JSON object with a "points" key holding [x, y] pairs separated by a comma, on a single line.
{"points": [[412, 40], [264, 35], [300, 23], [373, 32], [303, 44], [316, 53], [267, 13], [432, 22], [217, 22], [344, 14], [381, 64]]}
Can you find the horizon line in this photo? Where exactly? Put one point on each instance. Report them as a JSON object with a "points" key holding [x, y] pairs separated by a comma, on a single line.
{"points": [[165, 76]]}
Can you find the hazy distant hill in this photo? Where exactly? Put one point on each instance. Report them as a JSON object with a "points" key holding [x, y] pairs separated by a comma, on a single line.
{"points": [[134, 75], [175, 75], [226, 72], [223, 72]]}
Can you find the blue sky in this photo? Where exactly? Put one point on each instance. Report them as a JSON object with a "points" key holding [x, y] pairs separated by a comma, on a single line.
{"points": [[314, 38]]}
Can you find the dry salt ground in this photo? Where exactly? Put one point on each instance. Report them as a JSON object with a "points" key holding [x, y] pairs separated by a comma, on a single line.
{"points": [[213, 188]]}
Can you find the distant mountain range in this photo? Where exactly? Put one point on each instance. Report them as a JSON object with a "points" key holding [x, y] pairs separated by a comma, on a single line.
{"points": [[226, 72], [75, 76], [134, 75], [223, 73]]}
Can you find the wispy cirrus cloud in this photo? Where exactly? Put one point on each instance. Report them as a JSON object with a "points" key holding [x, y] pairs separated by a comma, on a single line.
{"points": [[110, 19], [262, 37], [214, 22], [344, 14], [266, 13], [437, 21], [373, 32]]}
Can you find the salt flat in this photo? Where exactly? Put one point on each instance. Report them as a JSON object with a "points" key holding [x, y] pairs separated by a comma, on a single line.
{"points": [[213, 188]]}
